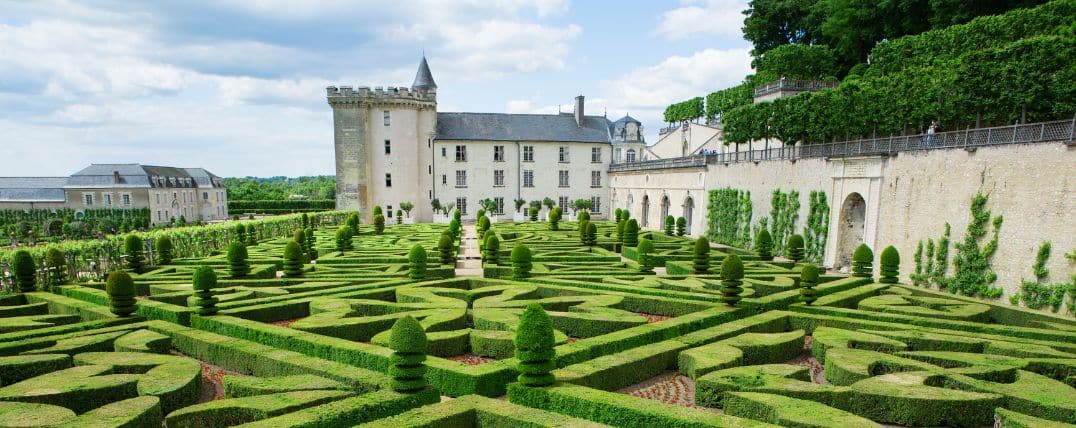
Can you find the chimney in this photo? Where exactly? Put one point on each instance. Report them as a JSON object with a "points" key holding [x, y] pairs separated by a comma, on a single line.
{"points": [[579, 110], [116, 177]]}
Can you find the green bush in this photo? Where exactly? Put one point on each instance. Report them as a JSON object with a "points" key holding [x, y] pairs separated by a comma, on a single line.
{"points": [[863, 262], [240, 231], [444, 247], [890, 261], [764, 245], [379, 224], [731, 279], [164, 249], [205, 280], [55, 266], [305, 220], [252, 235], [377, 210], [583, 231], [521, 262], [134, 253], [631, 233], [681, 226], [121, 293], [492, 248], [399, 216], [620, 230], [808, 281], [534, 347], [416, 262], [25, 271], [592, 234], [670, 225], [646, 257], [583, 216], [293, 259], [617, 214], [353, 222], [455, 227], [533, 211], [702, 256], [794, 248], [554, 218], [408, 342], [343, 239], [311, 243], [299, 236], [238, 265], [482, 227]]}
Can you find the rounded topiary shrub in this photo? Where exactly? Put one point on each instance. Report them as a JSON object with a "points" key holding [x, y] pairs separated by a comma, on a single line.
{"points": [[293, 259], [554, 219], [134, 252], [670, 225], [311, 243], [482, 226], [205, 280], [238, 263], [408, 342], [583, 216], [863, 262], [458, 216], [764, 245], [379, 224], [583, 231], [646, 256], [455, 227], [445, 248], [533, 213], [416, 262], [121, 293], [377, 210], [808, 281], [491, 251], [591, 238], [681, 226], [343, 239], [240, 231], [305, 219], [701, 260], [620, 230], [55, 266], [164, 249], [631, 233], [616, 215], [521, 262], [890, 261], [353, 222], [252, 235], [731, 279], [399, 216], [794, 248], [534, 347], [299, 236], [22, 263]]}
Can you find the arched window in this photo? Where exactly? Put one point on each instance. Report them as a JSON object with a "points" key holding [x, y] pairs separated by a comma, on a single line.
{"points": [[631, 155]]}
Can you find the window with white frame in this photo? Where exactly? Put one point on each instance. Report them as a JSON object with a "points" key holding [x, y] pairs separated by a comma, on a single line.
{"points": [[562, 178], [108, 199], [461, 178], [630, 156], [595, 179], [498, 177], [500, 205], [595, 204], [528, 178], [88, 198], [562, 202], [461, 153], [126, 199], [595, 155], [562, 154], [528, 153], [498, 153], [461, 204]]}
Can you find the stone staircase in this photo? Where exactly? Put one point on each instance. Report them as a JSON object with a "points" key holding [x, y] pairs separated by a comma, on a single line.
{"points": [[469, 260]]}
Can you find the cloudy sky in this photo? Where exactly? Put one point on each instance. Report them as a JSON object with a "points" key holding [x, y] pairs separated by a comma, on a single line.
{"points": [[237, 86]]}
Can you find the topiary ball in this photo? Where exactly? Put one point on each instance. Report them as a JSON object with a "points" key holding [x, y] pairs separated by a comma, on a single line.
{"points": [[534, 347], [416, 260], [121, 293], [890, 261], [862, 262], [701, 259], [808, 280], [521, 262], [25, 271], [293, 259], [794, 248]]}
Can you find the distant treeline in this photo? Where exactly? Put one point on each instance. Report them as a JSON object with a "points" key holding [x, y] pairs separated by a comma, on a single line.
{"points": [[280, 207], [281, 188]]}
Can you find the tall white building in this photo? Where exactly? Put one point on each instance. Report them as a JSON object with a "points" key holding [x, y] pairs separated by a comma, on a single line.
{"points": [[393, 146]]}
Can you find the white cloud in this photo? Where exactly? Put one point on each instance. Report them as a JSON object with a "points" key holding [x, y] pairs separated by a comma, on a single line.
{"points": [[714, 18]]}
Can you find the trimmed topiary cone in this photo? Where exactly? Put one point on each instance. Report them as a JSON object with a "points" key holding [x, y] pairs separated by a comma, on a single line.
{"points": [[164, 249], [863, 262], [252, 235], [808, 281], [534, 347], [583, 231], [483, 226], [533, 213], [343, 239], [521, 262], [890, 261], [794, 248], [631, 233], [293, 259], [731, 279], [238, 265], [22, 263], [408, 342], [491, 252], [554, 219], [455, 227], [458, 216], [701, 261], [681, 226], [670, 225], [135, 253], [205, 280], [620, 230], [444, 247], [305, 218], [764, 245], [311, 243], [379, 224], [583, 216], [299, 236], [416, 262], [592, 235], [353, 223], [616, 215], [56, 266], [121, 293], [646, 258]]}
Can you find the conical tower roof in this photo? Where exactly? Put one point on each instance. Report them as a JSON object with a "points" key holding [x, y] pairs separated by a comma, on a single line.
{"points": [[424, 79]]}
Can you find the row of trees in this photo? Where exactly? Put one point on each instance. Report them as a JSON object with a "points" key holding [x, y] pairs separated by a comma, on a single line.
{"points": [[280, 188]]}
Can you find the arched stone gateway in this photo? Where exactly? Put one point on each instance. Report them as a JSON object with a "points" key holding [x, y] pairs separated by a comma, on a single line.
{"points": [[689, 209], [850, 228]]}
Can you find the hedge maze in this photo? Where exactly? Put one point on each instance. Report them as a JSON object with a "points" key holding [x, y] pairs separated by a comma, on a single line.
{"points": [[629, 347]]}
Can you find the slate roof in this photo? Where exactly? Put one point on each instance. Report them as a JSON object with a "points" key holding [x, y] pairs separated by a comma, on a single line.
{"points": [[202, 177], [624, 120], [101, 175], [423, 78], [521, 127], [32, 189]]}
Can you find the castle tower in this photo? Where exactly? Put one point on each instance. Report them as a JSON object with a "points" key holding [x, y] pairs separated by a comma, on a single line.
{"points": [[383, 145]]}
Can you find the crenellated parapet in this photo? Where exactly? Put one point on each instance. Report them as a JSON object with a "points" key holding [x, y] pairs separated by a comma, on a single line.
{"points": [[380, 96]]}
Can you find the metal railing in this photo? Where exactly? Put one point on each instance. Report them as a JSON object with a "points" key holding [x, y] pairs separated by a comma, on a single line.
{"points": [[793, 85], [970, 139]]}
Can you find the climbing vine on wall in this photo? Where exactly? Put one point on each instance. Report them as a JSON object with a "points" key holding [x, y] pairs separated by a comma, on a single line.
{"points": [[1039, 294], [729, 217], [941, 260], [972, 273], [817, 228], [784, 212]]}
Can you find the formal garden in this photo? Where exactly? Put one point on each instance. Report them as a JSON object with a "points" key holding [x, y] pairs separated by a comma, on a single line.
{"points": [[317, 320]]}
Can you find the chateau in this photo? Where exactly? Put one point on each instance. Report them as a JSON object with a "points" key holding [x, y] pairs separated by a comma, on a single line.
{"points": [[393, 146]]}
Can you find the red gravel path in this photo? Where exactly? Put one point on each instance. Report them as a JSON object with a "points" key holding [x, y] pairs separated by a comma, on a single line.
{"points": [[669, 388], [471, 360]]}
